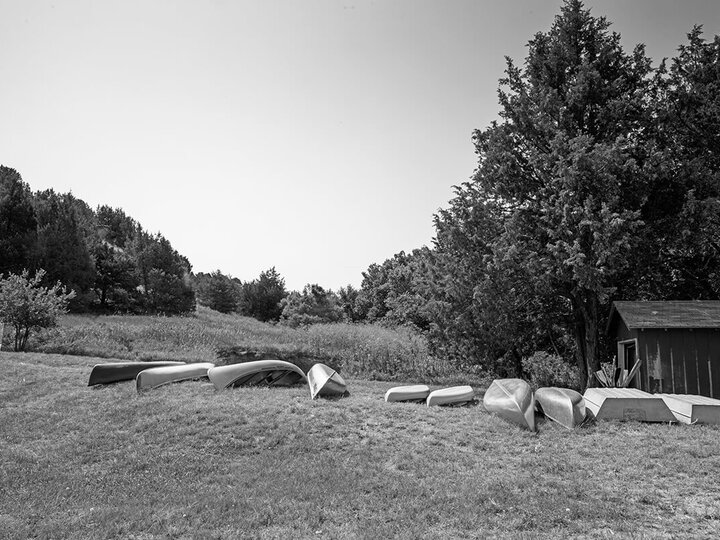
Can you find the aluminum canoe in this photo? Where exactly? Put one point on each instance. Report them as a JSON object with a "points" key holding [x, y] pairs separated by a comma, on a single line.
{"points": [[256, 373], [416, 392], [454, 395], [562, 405], [512, 400], [325, 382], [113, 372], [154, 377]]}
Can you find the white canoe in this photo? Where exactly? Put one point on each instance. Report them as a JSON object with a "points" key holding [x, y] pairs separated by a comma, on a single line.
{"points": [[626, 404], [692, 409], [512, 400], [416, 392], [257, 372], [325, 382], [562, 405], [454, 395], [154, 377], [112, 372]]}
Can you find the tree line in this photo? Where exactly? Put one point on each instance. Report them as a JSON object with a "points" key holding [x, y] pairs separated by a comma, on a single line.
{"points": [[110, 262], [599, 181]]}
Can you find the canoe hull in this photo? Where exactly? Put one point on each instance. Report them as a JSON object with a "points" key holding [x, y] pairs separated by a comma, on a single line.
{"points": [[256, 373], [417, 392], [159, 376], [562, 405], [511, 400], [455, 395], [113, 372], [325, 382]]}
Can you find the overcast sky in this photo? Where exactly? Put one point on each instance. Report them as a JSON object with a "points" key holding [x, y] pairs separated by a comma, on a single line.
{"points": [[316, 136]]}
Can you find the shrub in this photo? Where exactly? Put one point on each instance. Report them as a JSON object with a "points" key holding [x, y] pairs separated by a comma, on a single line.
{"points": [[545, 369], [26, 305]]}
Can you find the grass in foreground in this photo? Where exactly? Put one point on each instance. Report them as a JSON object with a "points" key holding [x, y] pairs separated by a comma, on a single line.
{"points": [[185, 461]]}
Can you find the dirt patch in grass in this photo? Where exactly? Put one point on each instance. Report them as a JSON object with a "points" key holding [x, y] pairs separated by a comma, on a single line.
{"points": [[185, 461]]}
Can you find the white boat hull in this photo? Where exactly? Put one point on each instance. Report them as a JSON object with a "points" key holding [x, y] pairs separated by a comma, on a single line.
{"points": [[154, 377], [325, 382], [561, 405]]}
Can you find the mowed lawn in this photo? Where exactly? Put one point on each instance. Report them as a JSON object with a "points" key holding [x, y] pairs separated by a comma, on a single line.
{"points": [[185, 461]]}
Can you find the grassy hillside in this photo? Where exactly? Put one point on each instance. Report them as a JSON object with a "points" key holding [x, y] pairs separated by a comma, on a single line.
{"points": [[185, 461], [368, 351]]}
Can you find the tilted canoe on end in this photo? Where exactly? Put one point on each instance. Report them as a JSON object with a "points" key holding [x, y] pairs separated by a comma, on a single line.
{"points": [[416, 392], [154, 377], [256, 373], [454, 395], [512, 400], [325, 382], [562, 405], [113, 372]]}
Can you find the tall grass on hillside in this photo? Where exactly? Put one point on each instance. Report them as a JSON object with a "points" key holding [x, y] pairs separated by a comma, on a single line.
{"points": [[367, 351]]}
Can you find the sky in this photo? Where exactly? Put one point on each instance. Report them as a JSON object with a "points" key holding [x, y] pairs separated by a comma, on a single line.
{"points": [[314, 136]]}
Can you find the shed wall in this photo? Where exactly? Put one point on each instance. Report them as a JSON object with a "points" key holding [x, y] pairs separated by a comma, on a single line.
{"points": [[680, 361]]}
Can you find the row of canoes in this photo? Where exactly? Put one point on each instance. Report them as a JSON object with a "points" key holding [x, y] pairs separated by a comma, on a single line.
{"points": [[510, 399], [514, 401], [322, 380]]}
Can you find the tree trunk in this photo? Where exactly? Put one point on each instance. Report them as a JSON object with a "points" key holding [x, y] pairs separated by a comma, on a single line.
{"points": [[587, 336]]}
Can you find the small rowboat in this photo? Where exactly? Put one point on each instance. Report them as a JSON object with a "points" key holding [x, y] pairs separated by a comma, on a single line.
{"points": [[325, 382], [511, 400], [417, 392], [256, 373], [455, 395], [154, 377], [113, 372], [692, 409], [562, 405], [626, 404]]}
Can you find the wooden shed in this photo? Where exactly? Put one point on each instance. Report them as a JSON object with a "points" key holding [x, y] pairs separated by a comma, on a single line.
{"points": [[678, 343]]}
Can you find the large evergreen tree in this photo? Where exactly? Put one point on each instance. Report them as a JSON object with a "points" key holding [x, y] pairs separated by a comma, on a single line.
{"points": [[18, 226], [560, 185]]}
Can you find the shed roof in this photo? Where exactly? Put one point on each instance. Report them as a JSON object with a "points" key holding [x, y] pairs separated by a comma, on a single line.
{"points": [[672, 314]]}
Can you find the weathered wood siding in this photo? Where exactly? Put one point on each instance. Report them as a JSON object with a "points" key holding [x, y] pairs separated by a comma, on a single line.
{"points": [[678, 361]]}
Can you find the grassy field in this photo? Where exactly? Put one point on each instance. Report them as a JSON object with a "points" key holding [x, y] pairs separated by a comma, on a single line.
{"points": [[185, 461]]}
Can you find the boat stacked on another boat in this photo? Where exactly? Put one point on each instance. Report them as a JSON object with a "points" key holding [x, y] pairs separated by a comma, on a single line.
{"points": [[455, 395], [154, 377], [562, 405], [255, 373], [113, 372], [325, 382], [512, 400], [417, 392]]}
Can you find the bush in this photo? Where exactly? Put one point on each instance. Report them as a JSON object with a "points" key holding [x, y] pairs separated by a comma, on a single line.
{"points": [[545, 369], [26, 305]]}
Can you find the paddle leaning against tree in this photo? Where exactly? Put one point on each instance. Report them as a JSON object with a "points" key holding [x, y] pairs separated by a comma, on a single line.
{"points": [[27, 305]]}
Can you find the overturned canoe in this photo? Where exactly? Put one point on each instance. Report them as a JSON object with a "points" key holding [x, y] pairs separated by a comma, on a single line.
{"points": [[325, 382], [626, 404], [512, 400], [562, 405], [455, 395], [256, 373], [154, 377], [692, 409], [113, 372], [417, 392]]}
